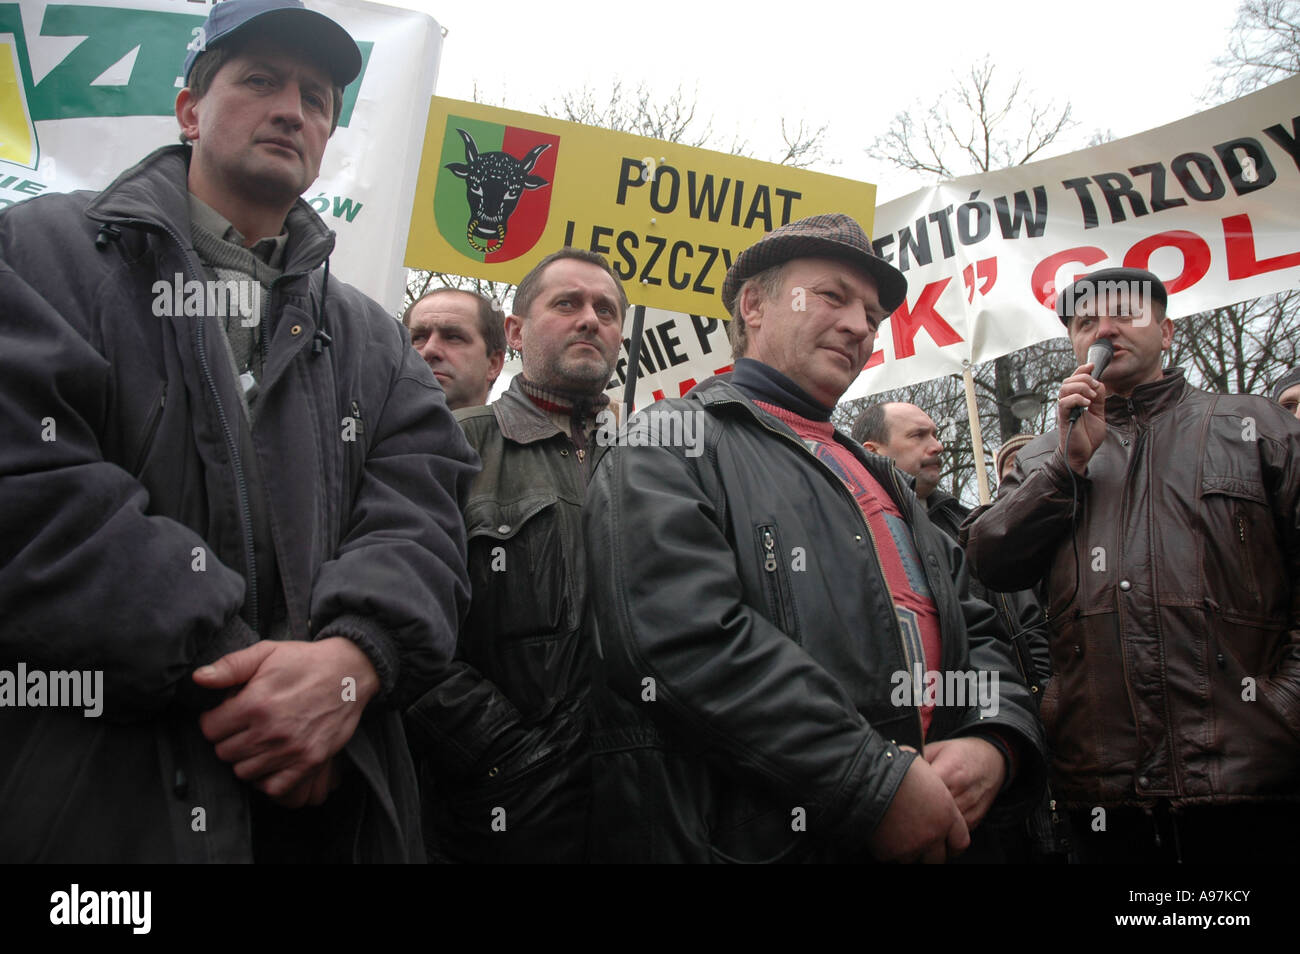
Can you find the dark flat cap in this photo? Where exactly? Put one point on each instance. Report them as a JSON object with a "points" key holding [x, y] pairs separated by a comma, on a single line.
{"points": [[818, 236], [1091, 285]]}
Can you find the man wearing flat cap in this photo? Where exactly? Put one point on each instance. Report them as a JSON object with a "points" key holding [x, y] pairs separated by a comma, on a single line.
{"points": [[1165, 525], [774, 609], [239, 506]]}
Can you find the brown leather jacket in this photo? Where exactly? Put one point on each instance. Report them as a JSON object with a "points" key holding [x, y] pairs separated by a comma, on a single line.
{"points": [[1174, 607]]}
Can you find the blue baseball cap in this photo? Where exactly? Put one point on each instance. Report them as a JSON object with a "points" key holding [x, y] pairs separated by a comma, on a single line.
{"points": [[334, 47]]}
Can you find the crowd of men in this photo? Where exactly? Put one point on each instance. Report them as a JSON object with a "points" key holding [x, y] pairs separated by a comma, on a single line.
{"points": [[346, 610]]}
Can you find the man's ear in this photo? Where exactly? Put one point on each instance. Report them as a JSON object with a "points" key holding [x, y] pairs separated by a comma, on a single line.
{"points": [[1166, 333], [752, 302], [495, 363], [514, 324], [874, 448], [186, 114]]}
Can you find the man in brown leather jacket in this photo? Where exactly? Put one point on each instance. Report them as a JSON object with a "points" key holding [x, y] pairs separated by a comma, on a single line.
{"points": [[1167, 522]]}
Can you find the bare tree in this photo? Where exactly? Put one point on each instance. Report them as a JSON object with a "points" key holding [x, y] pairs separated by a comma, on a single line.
{"points": [[1242, 348], [980, 125], [977, 126], [1263, 48]]}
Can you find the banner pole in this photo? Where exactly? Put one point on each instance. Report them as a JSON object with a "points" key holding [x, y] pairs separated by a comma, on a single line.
{"points": [[977, 438], [633, 361]]}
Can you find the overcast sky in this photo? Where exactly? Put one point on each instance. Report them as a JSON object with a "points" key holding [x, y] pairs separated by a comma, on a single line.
{"points": [[1124, 65]]}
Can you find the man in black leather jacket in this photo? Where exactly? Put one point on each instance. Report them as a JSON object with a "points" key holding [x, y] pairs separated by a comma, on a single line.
{"points": [[765, 594], [502, 737]]}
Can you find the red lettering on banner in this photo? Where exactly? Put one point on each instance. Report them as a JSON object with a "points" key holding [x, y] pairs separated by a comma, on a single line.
{"points": [[1196, 256], [1043, 280], [724, 369], [657, 395], [877, 358], [908, 321], [685, 386], [1239, 238]]}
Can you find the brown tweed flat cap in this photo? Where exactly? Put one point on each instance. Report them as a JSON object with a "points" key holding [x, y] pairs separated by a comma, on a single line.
{"points": [[818, 236]]}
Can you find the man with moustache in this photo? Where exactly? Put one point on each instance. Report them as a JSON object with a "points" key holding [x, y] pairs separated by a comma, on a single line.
{"points": [[1165, 523], [502, 739]]}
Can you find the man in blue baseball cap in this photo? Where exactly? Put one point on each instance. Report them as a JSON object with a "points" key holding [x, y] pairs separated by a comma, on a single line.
{"points": [[244, 513]]}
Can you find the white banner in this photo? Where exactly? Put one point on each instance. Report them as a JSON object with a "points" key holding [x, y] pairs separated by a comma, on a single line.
{"points": [[87, 90], [1210, 204]]}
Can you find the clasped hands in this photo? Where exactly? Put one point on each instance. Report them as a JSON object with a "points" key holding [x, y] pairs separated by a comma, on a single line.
{"points": [[291, 713]]}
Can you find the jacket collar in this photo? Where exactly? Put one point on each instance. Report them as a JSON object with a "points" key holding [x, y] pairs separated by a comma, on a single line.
{"points": [[942, 500], [520, 419], [154, 193], [1148, 400], [718, 390]]}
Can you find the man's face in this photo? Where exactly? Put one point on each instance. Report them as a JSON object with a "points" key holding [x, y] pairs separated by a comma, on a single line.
{"points": [[914, 445], [1137, 330], [259, 132], [570, 340], [1007, 464], [820, 328], [445, 331], [1290, 399]]}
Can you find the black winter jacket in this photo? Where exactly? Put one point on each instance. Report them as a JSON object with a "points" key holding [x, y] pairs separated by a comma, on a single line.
{"points": [[124, 542], [741, 707], [1022, 617]]}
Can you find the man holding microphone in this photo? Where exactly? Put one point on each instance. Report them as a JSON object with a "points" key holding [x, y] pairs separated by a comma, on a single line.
{"points": [[1165, 523]]}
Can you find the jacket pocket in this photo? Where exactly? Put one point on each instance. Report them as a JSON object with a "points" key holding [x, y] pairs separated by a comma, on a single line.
{"points": [[523, 627], [1238, 536], [776, 584]]}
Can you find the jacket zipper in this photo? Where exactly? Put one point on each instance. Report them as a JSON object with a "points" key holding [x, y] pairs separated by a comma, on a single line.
{"points": [[770, 566], [844, 491], [155, 419], [1139, 433], [232, 447]]}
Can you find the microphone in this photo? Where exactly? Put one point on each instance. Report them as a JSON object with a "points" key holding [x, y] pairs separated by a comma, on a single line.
{"points": [[1099, 355]]}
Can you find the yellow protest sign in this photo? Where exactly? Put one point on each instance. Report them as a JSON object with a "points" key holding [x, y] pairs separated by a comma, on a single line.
{"points": [[17, 135], [498, 190]]}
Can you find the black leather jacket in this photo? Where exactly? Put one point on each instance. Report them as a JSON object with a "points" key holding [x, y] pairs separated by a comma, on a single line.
{"points": [[502, 737], [1022, 617], [742, 703]]}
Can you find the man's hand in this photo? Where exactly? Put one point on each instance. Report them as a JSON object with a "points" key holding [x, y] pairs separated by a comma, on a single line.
{"points": [[923, 822], [315, 788], [1080, 390], [282, 728], [973, 770]]}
